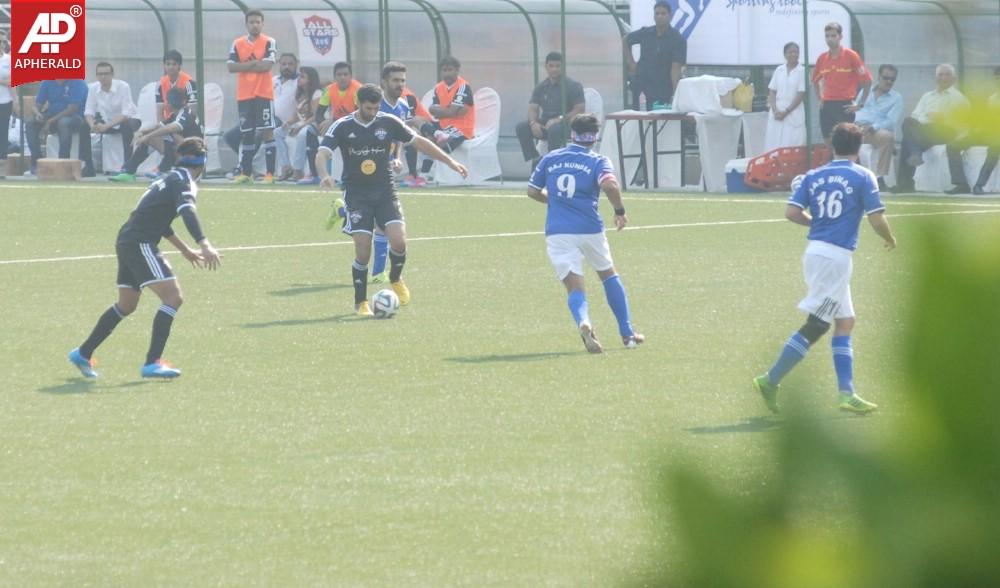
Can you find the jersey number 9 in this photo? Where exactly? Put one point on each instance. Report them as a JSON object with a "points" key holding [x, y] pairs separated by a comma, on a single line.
{"points": [[566, 185]]}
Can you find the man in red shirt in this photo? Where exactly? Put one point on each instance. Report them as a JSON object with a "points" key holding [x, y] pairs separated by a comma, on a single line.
{"points": [[251, 58], [836, 78]]}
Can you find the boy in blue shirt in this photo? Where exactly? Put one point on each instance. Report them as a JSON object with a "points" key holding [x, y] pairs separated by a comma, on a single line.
{"points": [[831, 201], [569, 181]]}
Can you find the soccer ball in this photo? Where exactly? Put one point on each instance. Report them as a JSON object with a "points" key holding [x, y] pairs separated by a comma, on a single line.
{"points": [[797, 181], [385, 303]]}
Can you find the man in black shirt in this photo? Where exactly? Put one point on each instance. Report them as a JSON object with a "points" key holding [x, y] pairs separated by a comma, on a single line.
{"points": [[141, 265], [662, 53], [365, 139], [546, 120], [181, 125]]}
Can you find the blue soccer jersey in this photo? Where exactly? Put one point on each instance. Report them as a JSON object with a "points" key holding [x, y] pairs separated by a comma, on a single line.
{"points": [[837, 195], [400, 110], [572, 176]]}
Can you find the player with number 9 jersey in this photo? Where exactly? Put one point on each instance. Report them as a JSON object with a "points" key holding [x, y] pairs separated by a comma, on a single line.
{"points": [[573, 177]]}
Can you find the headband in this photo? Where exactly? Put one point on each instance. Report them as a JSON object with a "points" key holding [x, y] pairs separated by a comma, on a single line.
{"points": [[193, 160], [583, 137]]}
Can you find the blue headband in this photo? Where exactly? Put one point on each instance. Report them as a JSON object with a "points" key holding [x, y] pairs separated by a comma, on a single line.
{"points": [[193, 160], [583, 137]]}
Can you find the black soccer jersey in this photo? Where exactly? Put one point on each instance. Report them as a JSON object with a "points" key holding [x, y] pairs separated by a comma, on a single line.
{"points": [[158, 207], [188, 123], [366, 148]]}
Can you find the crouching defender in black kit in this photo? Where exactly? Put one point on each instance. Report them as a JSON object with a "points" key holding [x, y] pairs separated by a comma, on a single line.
{"points": [[140, 263]]}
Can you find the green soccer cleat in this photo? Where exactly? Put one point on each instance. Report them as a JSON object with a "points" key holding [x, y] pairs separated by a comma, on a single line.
{"points": [[243, 179], [856, 404], [122, 177], [338, 214], [767, 391], [381, 278]]}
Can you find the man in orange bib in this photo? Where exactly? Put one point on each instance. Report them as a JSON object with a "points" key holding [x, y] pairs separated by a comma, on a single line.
{"points": [[340, 97], [251, 58], [453, 108], [174, 77]]}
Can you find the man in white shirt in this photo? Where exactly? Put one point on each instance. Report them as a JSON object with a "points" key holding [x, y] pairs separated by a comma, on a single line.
{"points": [[285, 108], [8, 95], [110, 109], [930, 124]]}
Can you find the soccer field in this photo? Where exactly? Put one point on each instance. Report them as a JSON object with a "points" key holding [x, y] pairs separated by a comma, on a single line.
{"points": [[470, 440]]}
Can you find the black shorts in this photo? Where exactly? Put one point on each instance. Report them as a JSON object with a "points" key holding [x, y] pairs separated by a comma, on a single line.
{"points": [[832, 114], [255, 114], [367, 207], [141, 264]]}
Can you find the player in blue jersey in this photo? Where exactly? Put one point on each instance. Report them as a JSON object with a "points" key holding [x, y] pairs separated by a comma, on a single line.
{"points": [[140, 264], [569, 181], [831, 201]]}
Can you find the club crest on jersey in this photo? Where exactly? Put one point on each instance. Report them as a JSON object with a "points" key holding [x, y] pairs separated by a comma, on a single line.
{"points": [[355, 217], [320, 32], [381, 134], [368, 167]]}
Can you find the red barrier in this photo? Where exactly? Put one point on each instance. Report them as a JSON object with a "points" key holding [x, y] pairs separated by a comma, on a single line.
{"points": [[775, 170]]}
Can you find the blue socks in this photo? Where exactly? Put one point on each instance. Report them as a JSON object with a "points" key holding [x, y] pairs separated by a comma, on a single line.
{"points": [[795, 349], [843, 363], [577, 302], [381, 252], [615, 293]]}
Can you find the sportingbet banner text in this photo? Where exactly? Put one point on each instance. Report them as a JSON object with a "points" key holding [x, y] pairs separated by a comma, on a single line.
{"points": [[48, 40]]}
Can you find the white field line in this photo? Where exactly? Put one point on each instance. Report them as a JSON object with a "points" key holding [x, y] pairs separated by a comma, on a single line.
{"points": [[629, 197], [480, 236]]}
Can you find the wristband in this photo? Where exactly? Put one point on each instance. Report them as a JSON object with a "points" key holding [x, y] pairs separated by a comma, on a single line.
{"points": [[619, 212]]}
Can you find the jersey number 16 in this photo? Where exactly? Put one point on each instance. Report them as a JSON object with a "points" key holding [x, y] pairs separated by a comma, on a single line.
{"points": [[830, 205]]}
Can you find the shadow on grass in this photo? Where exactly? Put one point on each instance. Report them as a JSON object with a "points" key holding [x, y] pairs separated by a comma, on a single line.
{"points": [[750, 425], [71, 386], [340, 318], [511, 357], [299, 289]]}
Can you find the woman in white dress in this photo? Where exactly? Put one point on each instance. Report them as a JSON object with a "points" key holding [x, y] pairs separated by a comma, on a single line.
{"points": [[786, 125]]}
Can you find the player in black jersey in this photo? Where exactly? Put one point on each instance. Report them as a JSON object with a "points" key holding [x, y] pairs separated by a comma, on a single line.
{"points": [[141, 265], [365, 138], [181, 125]]}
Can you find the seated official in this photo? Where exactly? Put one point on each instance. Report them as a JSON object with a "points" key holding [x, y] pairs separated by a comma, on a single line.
{"points": [[879, 118], [110, 109], [930, 124], [546, 120], [977, 136], [59, 108]]}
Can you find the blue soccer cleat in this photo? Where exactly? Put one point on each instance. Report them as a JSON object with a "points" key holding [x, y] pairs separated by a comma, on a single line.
{"points": [[160, 369], [86, 366]]}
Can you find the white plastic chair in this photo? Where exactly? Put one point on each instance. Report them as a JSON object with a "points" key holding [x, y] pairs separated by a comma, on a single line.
{"points": [[594, 104], [933, 175], [478, 154], [214, 106], [146, 104]]}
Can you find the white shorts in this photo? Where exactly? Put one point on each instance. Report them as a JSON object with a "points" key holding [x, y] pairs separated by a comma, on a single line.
{"points": [[827, 269], [567, 253]]}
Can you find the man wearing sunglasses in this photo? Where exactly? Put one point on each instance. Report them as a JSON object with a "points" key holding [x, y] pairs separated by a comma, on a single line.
{"points": [[880, 118]]}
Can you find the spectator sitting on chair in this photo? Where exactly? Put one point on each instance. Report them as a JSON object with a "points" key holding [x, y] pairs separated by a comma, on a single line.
{"points": [[286, 83], [546, 120], [110, 109], [454, 109], [662, 54], [978, 136], [879, 118], [163, 138], [340, 98], [301, 127], [59, 109], [930, 125]]}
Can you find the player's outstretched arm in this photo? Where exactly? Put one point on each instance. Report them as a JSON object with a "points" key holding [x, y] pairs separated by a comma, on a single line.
{"points": [[209, 256], [428, 148], [322, 167], [797, 215], [614, 192], [881, 225]]}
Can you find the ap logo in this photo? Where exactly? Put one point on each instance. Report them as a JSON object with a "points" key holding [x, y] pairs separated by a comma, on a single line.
{"points": [[49, 40]]}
